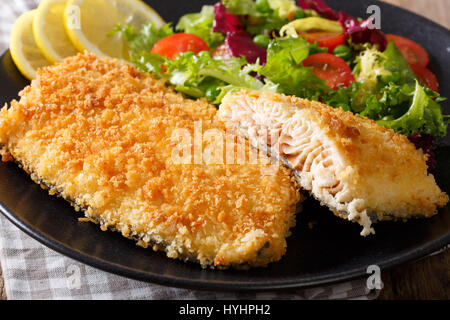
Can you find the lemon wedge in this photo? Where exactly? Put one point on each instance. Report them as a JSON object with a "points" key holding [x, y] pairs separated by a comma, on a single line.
{"points": [[49, 31], [88, 23], [24, 51]]}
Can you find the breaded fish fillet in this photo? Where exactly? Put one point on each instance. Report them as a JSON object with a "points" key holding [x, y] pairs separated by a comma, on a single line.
{"points": [[101, 134], [361, 171]]}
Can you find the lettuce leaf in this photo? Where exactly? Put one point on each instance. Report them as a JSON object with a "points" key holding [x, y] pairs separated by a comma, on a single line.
{"points": [[250, 8], [201, 24], [385, 75], [362, 32], [320, 7], [261, 17], [200, 75], [149, 62], [242, 45], [423, 116], [426, 143], [226, 22], [343, 97], [283, 67], [396, 64], [145, 39], [404, 107], [283, 7], [238, 41], [265, 23], [241, 7], [370, 64]]}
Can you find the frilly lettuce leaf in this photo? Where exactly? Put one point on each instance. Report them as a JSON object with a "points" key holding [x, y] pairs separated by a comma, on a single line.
{"points": [[404, 108], [241, 7], [423, 116], [283, 7], [200, 75], [283, 66], [145, 39], [396, 64], [201, 24], [250, 8]]}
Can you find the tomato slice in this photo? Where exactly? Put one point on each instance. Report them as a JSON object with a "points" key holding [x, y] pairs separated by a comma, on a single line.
{"points": [[325, 39], [290, 16], [413, 52], [426, 77], [334, 70], [177, 43]]}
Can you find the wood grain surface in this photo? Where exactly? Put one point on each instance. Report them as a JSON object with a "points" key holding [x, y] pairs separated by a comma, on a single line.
{"points": [[428, 278], [435, 10]]}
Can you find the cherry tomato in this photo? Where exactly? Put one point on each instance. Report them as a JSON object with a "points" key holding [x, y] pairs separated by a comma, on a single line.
{"points": [[290, 16], [426, 77], [177, 43], [325, 39], [335, 71], [413, 52]]}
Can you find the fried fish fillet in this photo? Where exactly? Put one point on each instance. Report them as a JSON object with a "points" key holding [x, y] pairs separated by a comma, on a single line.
{"points": [[361, 171], [101, 134]]}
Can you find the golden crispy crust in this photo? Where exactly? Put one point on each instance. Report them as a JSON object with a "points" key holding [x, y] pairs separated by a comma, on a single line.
{"points": [[99, 132]]}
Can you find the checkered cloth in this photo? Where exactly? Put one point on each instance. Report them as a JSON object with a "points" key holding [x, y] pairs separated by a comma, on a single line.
{"points": [[33, 271]]}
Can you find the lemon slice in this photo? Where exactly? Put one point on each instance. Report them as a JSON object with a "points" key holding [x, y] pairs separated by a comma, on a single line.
{"points": [[24, 51], [49, 31], [88, 23]]}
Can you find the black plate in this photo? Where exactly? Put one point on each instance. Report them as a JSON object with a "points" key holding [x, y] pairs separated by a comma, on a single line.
{"points": [[331, 251]]}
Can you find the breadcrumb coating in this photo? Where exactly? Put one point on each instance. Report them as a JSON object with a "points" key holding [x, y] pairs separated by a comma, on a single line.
{"points": [[360, 170], [100, 134]]}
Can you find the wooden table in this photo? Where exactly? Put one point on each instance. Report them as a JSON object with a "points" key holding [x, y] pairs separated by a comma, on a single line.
{"points": [[428, 278]]}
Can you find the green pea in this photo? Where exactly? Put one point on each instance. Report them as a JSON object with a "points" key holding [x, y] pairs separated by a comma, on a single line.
{"points": [[262, 6], [299, 14], [261, 40], [343, 51]]}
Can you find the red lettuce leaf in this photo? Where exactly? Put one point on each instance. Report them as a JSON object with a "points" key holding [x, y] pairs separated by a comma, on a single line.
{"points": [[320, 7], [362, 32], [242, 45], [238, 41], [225, 22], [426, 143]]}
